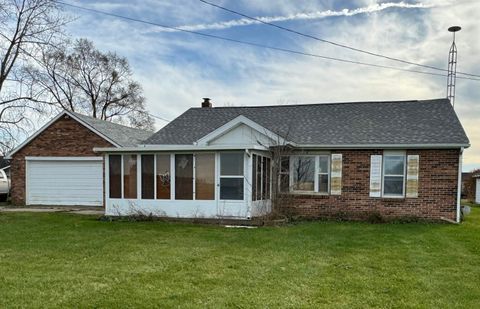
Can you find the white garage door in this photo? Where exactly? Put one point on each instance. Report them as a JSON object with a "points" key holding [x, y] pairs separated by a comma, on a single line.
{"points": [[64, 181]]}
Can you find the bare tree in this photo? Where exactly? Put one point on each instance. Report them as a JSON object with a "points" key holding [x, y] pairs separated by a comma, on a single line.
{"points": [[26, 26], [80, 78]]}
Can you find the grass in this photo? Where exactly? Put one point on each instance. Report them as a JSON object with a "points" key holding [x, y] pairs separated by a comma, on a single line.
{"points": [[66, 260]]}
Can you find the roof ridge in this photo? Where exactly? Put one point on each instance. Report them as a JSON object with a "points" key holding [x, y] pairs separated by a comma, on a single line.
{"points": [[328, 103]]}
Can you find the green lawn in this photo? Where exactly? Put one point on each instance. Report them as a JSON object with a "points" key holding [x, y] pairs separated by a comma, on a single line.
{"points": [[66, 260]]}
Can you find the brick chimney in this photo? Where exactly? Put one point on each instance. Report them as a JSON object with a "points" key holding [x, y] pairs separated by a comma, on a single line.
{"points": [[206, 103]]}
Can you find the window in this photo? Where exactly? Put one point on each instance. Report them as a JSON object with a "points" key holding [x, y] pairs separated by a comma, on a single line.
{"points": [[205, 177], [231, 176], [261, 177], [393, 175], [323, 174], [303, 173], [130, 176], [184, 176], [148, 177], [163, 176], [284, 174], [115, 176]]}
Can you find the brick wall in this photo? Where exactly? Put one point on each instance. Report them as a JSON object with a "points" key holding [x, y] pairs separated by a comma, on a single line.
{"points": [[437, 192], [65, 137]]}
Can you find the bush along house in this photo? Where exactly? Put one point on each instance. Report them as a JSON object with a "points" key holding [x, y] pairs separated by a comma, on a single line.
{"points": [[394, 159]]}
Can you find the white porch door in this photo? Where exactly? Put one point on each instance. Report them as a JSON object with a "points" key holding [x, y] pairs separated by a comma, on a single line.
{"points": [[65, 181], [477, 195], [231, 185]]}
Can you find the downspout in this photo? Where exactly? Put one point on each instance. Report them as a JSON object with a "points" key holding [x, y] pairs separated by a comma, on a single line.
{"points": [[459, 187]]}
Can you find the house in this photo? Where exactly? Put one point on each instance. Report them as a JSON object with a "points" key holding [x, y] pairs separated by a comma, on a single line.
{"points": [[57, 164], [351, 160], [475, 188]]}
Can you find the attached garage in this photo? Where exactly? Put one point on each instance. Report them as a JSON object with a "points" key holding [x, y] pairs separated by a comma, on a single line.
{"points": [[65, 181], [57, 165]]}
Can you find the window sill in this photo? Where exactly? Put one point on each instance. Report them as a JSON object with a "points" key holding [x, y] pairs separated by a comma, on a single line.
{"points": [[308, 193], [393, 197]]}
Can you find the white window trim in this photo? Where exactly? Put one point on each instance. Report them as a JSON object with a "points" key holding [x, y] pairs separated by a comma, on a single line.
{"points": [[394, 153]]}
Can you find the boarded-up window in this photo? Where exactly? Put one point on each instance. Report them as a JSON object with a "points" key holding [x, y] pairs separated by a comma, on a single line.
{"points": [[130, 176], [205, 176], [148, 177], [115, 176], [163, 177], [184, 177]]}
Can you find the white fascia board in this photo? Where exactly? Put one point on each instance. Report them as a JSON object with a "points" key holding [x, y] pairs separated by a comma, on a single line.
{"points": [[99, 158], [383, 146], [233, 124], [174, 148], [49, 123]]}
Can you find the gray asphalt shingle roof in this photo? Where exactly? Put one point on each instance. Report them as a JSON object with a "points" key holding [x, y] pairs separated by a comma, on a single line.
{"points": [[353, 123], [122, 135]]}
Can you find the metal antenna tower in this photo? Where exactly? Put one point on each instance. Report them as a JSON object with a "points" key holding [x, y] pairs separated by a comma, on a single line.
{"points": [[452, 67]]}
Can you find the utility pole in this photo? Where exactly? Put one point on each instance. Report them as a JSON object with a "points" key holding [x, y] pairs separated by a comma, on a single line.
{"points": [[452, 67]]}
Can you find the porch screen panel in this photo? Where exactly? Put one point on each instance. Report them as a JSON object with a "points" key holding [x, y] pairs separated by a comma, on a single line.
{"points": [[258, 178], [231, 176], [130, 176], [264, 178], [184, 177], [254, 177], [205, 177], [148, 177], [268, 172], [115, 176], [163, 176]]}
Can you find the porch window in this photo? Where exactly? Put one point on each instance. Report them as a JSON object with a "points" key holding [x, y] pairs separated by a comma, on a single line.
{"points": [[261, 177], [130, 176], [304, 173], [115, 176], [231, 176], [163, 176], [184, 176], [148, 177], [393, 175], [205, 176]]}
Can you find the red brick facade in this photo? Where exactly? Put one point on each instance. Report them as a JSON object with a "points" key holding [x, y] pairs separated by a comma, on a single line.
{"points": [[437, 191], [65, 137]]}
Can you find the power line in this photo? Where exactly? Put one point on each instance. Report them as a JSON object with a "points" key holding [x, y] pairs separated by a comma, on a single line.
{"points": [[158, 117], [257, 44], [331, 42]]}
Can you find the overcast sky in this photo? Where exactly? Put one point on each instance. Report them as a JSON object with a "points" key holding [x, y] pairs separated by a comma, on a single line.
{"points": [[177, 69]]}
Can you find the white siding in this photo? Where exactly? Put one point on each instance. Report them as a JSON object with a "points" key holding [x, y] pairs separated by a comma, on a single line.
{"points": [[64, 182], [242, 135], [477, 199]]}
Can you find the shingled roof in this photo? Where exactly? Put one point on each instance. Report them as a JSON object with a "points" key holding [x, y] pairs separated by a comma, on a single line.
{"points": [[425, 122], [120, 134]]}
